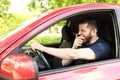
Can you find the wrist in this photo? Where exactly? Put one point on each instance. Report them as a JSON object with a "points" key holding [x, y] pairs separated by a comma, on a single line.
{"points": [[41, 48], [74, 47]]}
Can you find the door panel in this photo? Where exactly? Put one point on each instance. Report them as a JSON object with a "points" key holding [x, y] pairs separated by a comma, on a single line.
{"points": [[106, 71]]}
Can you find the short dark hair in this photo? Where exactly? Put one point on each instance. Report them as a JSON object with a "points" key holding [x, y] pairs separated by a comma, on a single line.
{"points": [[91, 22]]}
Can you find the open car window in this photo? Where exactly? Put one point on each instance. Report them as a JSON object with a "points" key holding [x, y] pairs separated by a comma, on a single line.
{"points": [[52, 36]]}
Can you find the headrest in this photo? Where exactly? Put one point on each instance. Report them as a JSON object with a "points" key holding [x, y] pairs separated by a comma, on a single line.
{"points": [[67, 34]]}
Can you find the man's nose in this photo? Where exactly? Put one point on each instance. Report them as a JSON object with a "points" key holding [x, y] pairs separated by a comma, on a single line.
{"points": [[79, 33]]}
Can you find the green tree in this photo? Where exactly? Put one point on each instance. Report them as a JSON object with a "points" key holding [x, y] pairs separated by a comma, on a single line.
{"points": [[39, 5], [9, 21], [53, 4], [62, 3], [4, 5]]}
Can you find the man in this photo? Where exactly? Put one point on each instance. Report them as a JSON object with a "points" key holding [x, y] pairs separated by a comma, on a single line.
{"points": [[86, 47]]}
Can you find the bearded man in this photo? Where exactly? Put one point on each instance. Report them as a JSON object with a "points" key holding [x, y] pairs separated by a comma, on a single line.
{"points": [[87, 46]]}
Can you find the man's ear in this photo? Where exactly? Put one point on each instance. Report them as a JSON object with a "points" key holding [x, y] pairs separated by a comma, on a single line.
{"points": [[94, 31]]}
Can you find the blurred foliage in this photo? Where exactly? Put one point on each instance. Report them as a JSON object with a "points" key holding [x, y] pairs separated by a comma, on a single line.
{"points": [[62, 3], [11, 21], [4, 5], [39, 5]]}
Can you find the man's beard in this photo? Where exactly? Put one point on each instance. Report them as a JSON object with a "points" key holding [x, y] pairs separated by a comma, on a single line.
{"points": [[88, 39]]}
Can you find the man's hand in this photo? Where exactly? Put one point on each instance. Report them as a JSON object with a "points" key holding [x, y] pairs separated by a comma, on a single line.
{"points": [[36, 45], [78, 41]]}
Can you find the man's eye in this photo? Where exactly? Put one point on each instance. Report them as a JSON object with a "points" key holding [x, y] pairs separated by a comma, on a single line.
{"points": [[83, 30]]}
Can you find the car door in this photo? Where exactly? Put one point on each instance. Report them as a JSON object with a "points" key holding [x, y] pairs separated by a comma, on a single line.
{"points": [[100, 70]]}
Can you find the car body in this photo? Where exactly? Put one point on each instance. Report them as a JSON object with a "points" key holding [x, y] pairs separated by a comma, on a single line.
{"points": [[11, 45]]}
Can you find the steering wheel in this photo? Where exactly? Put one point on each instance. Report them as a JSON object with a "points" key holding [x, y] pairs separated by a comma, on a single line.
{"points": [[42, 57]]}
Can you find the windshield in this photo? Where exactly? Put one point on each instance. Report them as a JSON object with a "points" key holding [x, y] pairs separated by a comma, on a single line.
{"points": [[20, 27]]}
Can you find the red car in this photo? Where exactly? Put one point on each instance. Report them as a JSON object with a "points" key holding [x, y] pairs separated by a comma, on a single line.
{"points": [[19, 62]]}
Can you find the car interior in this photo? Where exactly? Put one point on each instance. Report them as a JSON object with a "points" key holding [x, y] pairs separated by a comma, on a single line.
{"points": [[106, 32]]}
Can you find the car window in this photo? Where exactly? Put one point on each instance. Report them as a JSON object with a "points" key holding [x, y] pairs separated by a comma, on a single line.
{"points": [[52, 35]]}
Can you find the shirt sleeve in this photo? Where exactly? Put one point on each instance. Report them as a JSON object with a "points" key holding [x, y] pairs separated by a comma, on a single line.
{"points": [[101, 50]]}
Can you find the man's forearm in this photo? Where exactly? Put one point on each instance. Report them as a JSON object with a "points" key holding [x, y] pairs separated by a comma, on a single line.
{"points": [[66, 53]]}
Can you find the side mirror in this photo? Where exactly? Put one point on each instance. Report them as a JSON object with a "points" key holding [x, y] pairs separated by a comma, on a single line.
{"points": [[18, 67]]}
